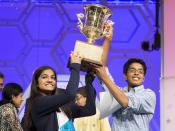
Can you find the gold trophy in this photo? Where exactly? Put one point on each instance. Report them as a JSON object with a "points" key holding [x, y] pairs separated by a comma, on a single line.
{"points": [[93, 28]]}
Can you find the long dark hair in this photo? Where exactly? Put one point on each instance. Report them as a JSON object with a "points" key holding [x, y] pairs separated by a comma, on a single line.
{"points": [[9, 90], [27, 123]]}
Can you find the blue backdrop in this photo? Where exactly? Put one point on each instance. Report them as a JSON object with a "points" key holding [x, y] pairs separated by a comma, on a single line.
{"points": [[43, 32]]}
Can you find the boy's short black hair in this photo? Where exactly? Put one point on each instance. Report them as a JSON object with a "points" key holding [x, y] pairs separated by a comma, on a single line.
{"points": [[134, 60]]}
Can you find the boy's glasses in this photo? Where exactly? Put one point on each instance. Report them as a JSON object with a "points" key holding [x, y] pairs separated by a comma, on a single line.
{"points": [[133, 70]]}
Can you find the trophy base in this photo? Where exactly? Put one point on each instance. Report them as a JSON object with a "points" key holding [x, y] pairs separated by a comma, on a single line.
{"points": [[92, 55]]}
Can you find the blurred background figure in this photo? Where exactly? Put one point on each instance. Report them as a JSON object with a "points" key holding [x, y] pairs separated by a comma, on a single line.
{"points": [[1, 82], [11, 101], [85, 99]]}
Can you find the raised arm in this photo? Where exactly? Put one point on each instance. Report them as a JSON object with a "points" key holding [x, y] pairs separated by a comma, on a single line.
{"points": [[108, 38], [45, 104], [90, 107], [108, 104], [115, 90], [91, 94]]}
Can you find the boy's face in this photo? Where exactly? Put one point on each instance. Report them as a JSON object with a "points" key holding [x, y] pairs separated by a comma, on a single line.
{"points": [[135, 75], [80, 100]]}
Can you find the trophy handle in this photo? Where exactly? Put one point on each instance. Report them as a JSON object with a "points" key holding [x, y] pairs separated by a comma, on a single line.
{"points": [[80, 23]]}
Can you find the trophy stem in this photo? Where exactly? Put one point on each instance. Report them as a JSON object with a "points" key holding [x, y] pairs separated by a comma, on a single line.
{"points": [[90, 40]]}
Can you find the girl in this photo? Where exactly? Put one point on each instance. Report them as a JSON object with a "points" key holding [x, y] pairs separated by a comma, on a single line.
{"points": [[44, 110]]}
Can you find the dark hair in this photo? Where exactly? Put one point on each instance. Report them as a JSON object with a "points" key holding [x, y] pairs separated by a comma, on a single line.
{"points": [[82, 91], [1, 75], [134, 60], [9, 90]]}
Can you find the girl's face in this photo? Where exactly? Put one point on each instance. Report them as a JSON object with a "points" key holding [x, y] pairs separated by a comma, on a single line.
{"points": [[47, 81], [17, 100], [80, 100]]}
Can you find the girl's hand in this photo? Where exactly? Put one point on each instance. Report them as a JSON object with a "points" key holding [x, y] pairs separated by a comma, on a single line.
{"points": [[75, 57]]}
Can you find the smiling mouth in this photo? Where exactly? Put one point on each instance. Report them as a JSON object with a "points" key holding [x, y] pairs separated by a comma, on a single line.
{"points": [[49, 85], [135, 78]]}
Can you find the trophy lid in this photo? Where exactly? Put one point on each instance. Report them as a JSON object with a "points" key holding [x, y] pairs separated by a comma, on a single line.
{"points": [[105, 9]]}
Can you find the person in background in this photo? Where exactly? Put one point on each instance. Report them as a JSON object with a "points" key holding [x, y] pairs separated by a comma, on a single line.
{"points": [[44, 110], [1, 82], [133, 106], [85, 102], [11, 101]]}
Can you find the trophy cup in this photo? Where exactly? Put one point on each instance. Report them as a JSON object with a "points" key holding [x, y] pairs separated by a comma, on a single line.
{"points": [[93, 28]]}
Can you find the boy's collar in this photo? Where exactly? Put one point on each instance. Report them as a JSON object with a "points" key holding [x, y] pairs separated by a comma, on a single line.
{"points": [[135, 89]]}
